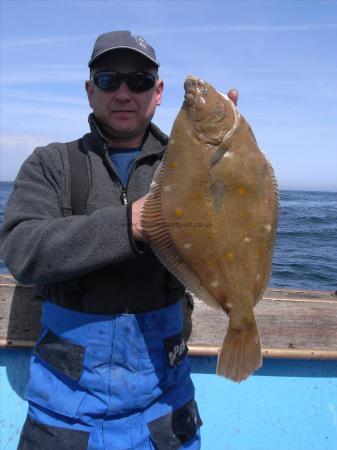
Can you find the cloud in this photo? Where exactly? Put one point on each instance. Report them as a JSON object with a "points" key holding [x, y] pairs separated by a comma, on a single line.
{"points": [[13, 94], [285, 75], [15, 148], [36, 112], [205, 28], [45, 74], [210, 28], [15, 141], [46, 40]]}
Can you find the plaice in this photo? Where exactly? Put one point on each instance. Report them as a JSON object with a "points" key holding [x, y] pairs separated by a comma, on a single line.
{"points": [[211, 217]]}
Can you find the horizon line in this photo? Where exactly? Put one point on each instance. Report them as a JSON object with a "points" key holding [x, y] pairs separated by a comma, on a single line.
{"points": [[281, 190]]}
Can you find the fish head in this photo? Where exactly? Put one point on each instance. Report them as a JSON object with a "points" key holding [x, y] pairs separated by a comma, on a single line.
{"points": [[210, 113]]}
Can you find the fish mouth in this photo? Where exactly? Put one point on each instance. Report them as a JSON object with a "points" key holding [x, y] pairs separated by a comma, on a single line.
{"points": [[194, 87], [189, 98]]}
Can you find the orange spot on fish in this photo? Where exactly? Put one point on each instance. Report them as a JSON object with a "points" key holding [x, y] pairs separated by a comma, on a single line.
{"points": [[241, 190], [197, 195], [178, 212], [210, 264], [172, 165], [229, 256]]}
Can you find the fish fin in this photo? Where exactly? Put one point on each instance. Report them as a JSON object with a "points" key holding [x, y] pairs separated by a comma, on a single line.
{"points": [[240, 354], [162, 244], [276, 207], [274, 181]]}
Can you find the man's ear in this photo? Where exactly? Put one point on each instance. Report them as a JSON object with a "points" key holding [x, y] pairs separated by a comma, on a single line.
{"points": [[89, 87], [159, 92]]}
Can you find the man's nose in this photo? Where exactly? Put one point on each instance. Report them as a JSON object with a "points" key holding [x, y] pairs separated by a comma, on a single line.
{"points": [[123, 92]]}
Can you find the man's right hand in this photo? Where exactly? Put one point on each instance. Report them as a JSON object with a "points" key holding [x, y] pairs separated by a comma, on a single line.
{"points": [[136, 224]]}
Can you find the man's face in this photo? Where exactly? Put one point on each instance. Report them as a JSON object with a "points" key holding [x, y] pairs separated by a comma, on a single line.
{"points": [[124, 114]]}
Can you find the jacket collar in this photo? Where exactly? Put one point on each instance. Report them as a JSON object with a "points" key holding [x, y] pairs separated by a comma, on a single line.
{"points": [[153, 136]]}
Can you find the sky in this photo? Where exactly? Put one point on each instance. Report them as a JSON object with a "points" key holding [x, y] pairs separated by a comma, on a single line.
{"points": [[280, 55]]}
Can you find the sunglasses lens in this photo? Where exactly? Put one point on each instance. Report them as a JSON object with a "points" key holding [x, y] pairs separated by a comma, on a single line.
{"points": [[107, 81], [136, 81], [140, 81]]}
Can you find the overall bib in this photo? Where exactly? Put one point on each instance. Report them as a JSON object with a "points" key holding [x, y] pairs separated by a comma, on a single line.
{"points": [[111, 382]]}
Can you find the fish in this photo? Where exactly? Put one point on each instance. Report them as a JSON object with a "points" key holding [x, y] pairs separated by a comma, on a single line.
{"points": [[211, 217]]}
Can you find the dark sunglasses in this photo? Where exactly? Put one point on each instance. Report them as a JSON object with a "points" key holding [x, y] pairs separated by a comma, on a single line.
{"points": [[136, 81]]}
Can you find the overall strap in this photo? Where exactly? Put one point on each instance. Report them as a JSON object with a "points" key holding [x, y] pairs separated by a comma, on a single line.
{"points": [[79, 177]]}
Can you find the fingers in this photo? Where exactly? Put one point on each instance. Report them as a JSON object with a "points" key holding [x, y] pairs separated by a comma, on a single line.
{"points": [[233, 94], [136, 223]]}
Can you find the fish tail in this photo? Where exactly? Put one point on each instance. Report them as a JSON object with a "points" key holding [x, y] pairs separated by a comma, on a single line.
{"points": [[240, 354]]}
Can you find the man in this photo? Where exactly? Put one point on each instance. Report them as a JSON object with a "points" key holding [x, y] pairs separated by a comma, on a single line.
{"points": [[109, 370]]}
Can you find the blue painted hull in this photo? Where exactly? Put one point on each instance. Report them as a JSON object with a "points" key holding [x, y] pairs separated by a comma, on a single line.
{"points": [[286, 405]]}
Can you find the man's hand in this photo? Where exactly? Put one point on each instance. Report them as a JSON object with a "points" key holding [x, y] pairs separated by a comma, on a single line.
{"points": [[136, 225], [233, 94]]}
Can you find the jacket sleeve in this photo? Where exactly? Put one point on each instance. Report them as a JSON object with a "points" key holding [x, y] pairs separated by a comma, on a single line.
{"points": [[39, 245]]}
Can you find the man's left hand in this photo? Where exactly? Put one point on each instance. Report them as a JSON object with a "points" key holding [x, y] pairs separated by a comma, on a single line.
{"points": [[233, 94]]}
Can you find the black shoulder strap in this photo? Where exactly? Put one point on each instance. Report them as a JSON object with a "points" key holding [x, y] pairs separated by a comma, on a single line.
{"points": [[79, 177]]}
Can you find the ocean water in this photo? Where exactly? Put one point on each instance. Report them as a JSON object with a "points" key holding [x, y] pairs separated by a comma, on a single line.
{"points": [[305, 254]]}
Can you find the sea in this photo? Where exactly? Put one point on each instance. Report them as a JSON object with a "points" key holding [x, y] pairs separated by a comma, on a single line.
{"points": [[305, 255]]}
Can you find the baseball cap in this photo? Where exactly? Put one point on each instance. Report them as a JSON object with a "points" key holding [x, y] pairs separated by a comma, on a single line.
{"points": [[114, 40]]}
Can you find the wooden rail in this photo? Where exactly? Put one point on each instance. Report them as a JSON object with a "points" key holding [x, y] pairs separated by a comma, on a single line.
{"points": [[292, 323]]}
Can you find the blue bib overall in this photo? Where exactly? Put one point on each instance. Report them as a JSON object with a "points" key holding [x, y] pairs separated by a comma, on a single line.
{"points": [[112, 382]]}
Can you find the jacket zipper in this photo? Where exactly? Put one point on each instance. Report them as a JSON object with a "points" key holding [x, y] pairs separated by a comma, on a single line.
{"points": [[134, 165], [122, 197], [123, 189]]}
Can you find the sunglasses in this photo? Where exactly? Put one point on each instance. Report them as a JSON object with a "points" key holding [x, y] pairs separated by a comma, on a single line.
{"points": [[136, 81]]}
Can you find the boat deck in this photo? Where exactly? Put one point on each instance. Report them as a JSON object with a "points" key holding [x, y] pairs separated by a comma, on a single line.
{"points": [[292, 323]]}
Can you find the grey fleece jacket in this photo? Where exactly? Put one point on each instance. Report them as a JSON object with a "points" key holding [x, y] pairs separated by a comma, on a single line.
{"points": [[91, 262]]}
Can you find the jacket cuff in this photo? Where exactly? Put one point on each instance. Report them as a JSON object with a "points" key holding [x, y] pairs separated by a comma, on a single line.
{"points": [[137, 246]]}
